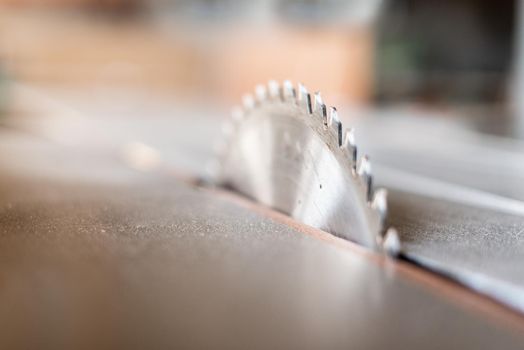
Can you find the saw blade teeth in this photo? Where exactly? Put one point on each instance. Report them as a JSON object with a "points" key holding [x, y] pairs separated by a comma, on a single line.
{"points": [[327, 120], [364, 166], [304, 98], [288, 91], [380, 202], [335, 125], [273, 89], [364, 172], [248, 101], [320, 107], [261, 93], [349, 144], [349, 137], [276, 98], [391, 243]]}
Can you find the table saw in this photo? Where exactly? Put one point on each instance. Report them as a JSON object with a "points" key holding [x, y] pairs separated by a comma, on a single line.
{"points": [[114, 236]]}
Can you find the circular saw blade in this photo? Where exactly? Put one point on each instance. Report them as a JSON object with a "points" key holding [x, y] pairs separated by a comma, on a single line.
{"points": [[291, 153]]}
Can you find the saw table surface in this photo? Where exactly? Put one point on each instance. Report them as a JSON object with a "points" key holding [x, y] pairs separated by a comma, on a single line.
{"points": [[100, 256], [96, 254]]}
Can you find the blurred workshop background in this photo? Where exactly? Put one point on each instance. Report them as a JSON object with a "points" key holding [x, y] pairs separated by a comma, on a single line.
{"points": [[117, 59]]}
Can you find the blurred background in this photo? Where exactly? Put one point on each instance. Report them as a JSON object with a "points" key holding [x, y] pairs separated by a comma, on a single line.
{"points": [[110, 72]]}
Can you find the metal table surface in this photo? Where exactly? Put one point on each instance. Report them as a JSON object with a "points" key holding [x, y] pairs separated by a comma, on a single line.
{"points": [[455, 197], [97, 255]]}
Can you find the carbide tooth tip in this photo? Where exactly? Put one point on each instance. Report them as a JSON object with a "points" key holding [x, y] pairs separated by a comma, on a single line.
{"points": [[304, 98], [318, 97], [364, 172], [350, 137], [332, 115], [350, 145], [302, 89], [391, 243], [261, 93], [380, 201], [364, 168], [248, 101], [320, 107], [288, 90], [274, 89], [336, 125]]}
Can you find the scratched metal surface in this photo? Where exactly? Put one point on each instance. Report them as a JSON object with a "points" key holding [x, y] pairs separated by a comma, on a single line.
{"points": [[99, 256]]}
